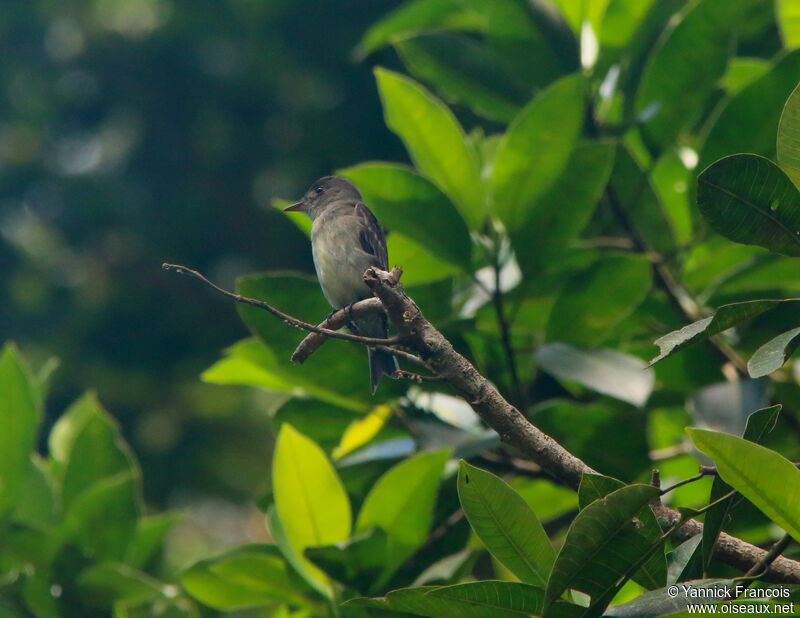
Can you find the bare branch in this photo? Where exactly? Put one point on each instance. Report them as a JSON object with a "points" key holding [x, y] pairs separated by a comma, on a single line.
{"points": [[290, 320]]}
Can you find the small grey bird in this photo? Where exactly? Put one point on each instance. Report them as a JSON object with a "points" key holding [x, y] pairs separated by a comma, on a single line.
{"points": [[346, 240]]}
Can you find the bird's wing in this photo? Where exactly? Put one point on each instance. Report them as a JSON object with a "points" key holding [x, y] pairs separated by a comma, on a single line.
{"points": [[371, 235]]}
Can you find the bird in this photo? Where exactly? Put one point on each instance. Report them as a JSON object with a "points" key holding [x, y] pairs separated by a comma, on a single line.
{"points": [[346, 240]]}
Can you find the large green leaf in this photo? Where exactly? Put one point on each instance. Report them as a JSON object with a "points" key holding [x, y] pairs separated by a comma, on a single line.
{"points": [[506, 524], [595, 301], [724, 318], [407, 203], [401, 504], [789, 134], [750, 200], [664, 602], [749, 121], [484, 599], [653, 573], [93, 445], [764, 477], [248, 576], [19, 421], [771, 356], [759, 424], [419, 16], [466, 72], [535, 150], [107, 582], [612, 373], [309, 497], [788, 12], [563, 211], [602, 544], [435, 142], [683, 69]]}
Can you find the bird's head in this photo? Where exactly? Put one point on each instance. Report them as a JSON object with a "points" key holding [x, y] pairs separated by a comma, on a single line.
{"points": [[323, 193]]}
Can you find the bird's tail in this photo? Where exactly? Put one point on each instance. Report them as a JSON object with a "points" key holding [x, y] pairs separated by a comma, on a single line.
{"points": [[381, 363]]}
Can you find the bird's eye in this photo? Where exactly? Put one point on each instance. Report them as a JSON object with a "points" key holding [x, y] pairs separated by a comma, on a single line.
{"points": [[319, 190]]}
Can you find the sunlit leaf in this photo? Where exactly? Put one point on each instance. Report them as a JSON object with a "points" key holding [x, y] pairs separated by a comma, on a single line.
{"points": [[310, 500], [535, 150], [19, 421], [764, 477], [759, 424], [420, 16], [248, 576], [401, 504], [612, 373], [506, 524], [772, 355], [750, 200], [788, 13], [362, 430], [435, 142]]}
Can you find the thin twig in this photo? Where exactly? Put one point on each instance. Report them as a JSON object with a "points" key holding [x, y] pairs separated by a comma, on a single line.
{"points": [[416, 377], [703, 472], [290, 320]]}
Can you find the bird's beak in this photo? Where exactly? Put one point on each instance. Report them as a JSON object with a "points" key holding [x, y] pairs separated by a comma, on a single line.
{"points": [[294, 207]]}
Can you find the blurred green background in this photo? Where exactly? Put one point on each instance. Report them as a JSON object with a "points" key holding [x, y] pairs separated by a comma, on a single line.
{"points": [[134, 132]]}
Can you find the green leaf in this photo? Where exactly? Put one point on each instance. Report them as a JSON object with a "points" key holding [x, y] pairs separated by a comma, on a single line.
{"points": [[535, 150], [548, 231], [248, 576], [420, 16], [466, 72], [38, 498], [362, 430], [19, 421], [612, 373], [771, 356], [767, 479], [359, 562], [419, 265], [789, 134], [759, 424], [595, 301], [506, 524], [653, 573], [407, 203], [788, 13], [727, 316], [107, 582], [102, 518], [534, 40], [309, 497], [683, 69], [148, 539], [586, 561], [401, 502], [750, 200], [491, 598], [749, 120], [435, 142], [97, 450]]}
